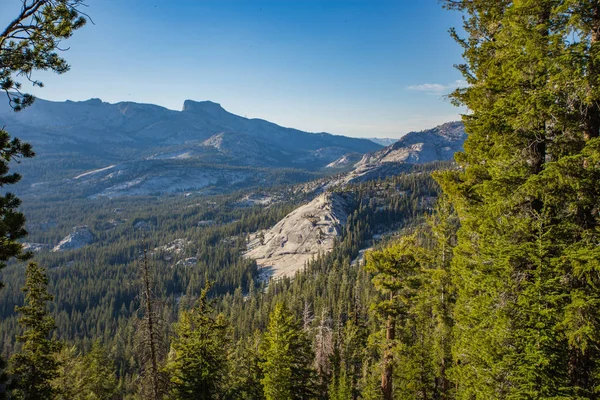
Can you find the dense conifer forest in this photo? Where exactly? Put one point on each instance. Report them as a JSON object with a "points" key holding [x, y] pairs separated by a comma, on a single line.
{"points": [[105, 311], [479, 279]]}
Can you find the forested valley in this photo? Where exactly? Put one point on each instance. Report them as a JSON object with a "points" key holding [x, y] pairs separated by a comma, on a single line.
{"points": [[207, 274], [471, 279]]}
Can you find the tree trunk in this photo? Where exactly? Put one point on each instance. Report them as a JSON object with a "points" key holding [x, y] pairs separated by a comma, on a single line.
{"points": [[445, 382], [386, 374], [580, 366], [150, 323], [592, 116]]}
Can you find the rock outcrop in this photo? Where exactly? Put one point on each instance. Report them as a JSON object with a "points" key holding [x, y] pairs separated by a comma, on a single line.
{"points": [[81, 236], [437, 144], [36, 247], [345, 161], [301, 235]]}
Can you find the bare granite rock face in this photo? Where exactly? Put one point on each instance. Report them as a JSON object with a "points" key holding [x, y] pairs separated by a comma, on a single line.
{"points": [[258, 199], [300, 236], [345, 161], [437, 144], [35, 247], [176, 247], [81, 236]]}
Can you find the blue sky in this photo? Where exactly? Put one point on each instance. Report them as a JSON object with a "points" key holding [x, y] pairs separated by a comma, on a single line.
{"points": [[360, 68]]}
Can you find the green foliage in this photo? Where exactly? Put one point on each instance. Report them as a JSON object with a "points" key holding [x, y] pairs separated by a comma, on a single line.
{"points": [[340, 387], [31, 41], [34, 367], [245, 373], [288, 357], [105, 274], [397, 277], [70, 371], [414, 277], [86, 377], [12, 223], [197, 363], [3, 380], [503, 304], [527, 198]]}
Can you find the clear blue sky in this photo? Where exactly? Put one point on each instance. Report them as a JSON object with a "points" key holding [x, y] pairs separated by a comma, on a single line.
{"points": [[359, 68]]}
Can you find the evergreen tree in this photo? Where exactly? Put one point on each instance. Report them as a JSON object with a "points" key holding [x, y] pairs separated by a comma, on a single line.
{"points": [[527, 197], [3, 380], [99, 378], [244, 370], [87, 377], [436, 299], [397, 277], [288, 358], [29, 43], [197, 362], [69, 374], [34, 367], [354, 354], [341, 386]]}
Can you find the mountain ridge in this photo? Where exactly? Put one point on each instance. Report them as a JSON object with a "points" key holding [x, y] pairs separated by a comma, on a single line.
{"points": [[419, 147], [98, 149], [142, 141]]}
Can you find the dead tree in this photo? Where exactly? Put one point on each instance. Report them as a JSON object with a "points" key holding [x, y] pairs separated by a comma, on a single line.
{"points": [[151, 342], [324, 345]]}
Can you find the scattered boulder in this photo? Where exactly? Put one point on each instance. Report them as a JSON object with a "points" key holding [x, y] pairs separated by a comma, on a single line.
{"points": [[207, 222], [258, 199], [177, 246], [188, 262], [143, 226], [35, 247]]}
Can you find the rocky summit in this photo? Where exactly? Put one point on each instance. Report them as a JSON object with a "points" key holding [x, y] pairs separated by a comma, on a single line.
{"points": [[436, 144]]}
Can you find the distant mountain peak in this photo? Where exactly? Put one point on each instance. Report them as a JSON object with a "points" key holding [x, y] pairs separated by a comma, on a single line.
{"points": [[449, 132], [90, 102], [152, 149], [436, 144], [93, 101], [202, 106], [454, 128]]}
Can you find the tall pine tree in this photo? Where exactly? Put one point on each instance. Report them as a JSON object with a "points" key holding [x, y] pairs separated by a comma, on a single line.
{"points": [[89, 376], [397, 277], [288, 358], [197, 363], [29, 43], [34, 367], [527, 196], [151, 341]]}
